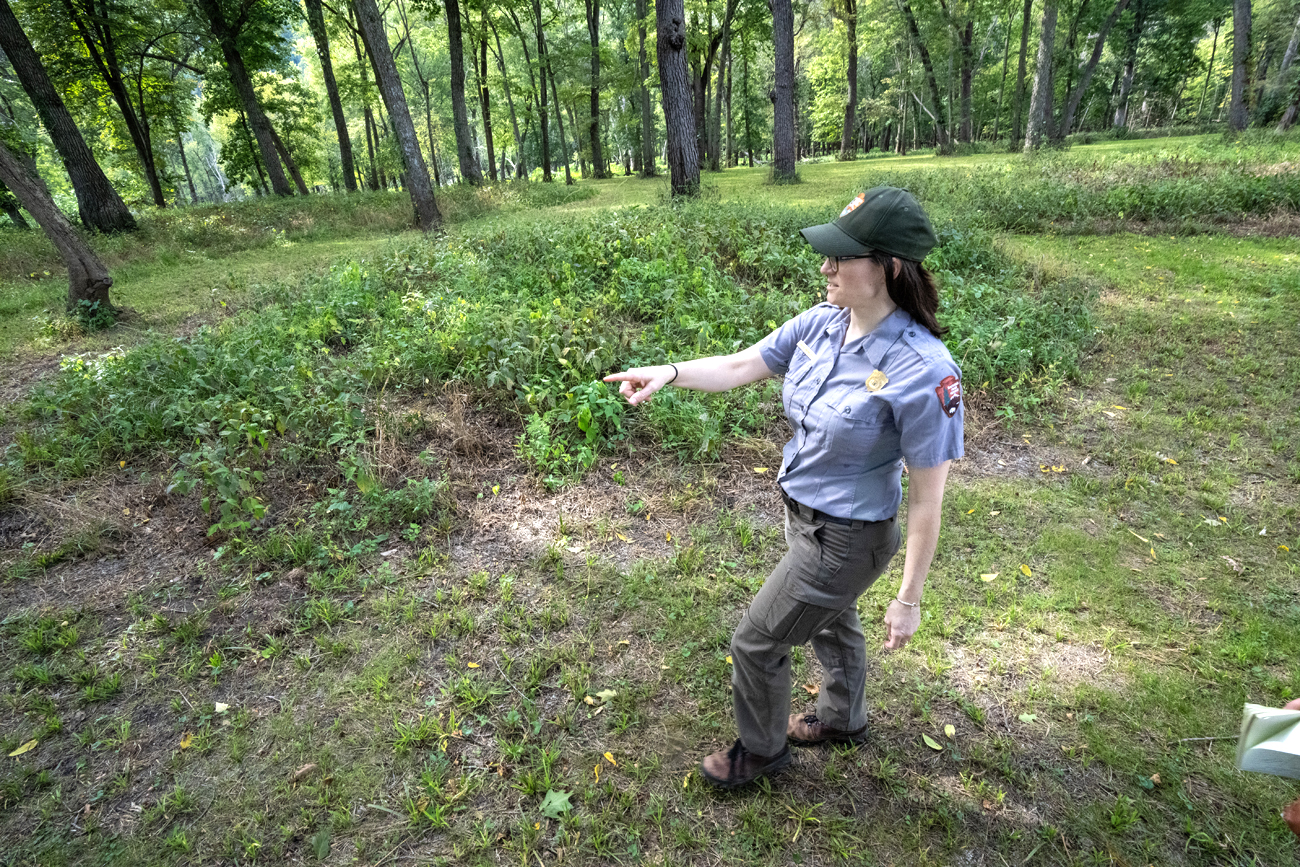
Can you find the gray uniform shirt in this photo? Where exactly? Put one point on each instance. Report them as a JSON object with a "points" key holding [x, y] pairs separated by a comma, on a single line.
{"points": [[846, 455]]}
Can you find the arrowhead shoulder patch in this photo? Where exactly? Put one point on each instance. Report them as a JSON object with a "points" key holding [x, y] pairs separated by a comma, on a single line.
{"points": [[949, 392]]}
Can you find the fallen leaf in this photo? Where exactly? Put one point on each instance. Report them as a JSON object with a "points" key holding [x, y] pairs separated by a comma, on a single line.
{"points": [[25, 748], [589, 700], [1223, 519], [811, 688], [1144, 539], [988, 805], [950, 730], [472, 665], [1108, 414], [760, 469], [574, 549], [931, 742], [988, 576], [1236, 567], [1117, 406], [555, 803], [609, 757], [187, 740], [1026, 570], [606, 694], [1171, 461], [729, 662], [598, 773], [1155, 778], [668, 536], [971, 512], [220, 707], [302, 772], [1027, 717], [122, 464], [622, 537], [625, 643]]}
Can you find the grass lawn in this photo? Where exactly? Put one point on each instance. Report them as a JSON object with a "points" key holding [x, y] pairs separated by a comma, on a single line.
{"points": [[522, 672]]}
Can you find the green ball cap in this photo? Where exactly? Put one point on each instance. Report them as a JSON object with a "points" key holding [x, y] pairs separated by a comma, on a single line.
{"points": [[884, 219]]}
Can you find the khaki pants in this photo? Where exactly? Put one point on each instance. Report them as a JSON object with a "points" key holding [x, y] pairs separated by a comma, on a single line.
{"points": [[811, 595]]}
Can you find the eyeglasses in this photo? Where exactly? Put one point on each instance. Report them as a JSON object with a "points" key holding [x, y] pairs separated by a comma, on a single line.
{"points": [[836, 260]]}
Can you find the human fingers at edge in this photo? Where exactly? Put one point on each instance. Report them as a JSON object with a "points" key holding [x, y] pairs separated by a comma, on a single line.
{"points": [[1293, 704], [899, 628], [638, 385]]}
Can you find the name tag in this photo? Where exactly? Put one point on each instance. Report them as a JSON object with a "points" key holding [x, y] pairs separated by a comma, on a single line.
{"points": [[807, 350]]}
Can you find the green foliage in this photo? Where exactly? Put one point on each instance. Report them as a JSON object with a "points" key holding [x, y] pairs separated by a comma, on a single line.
{"points": [[1184, 183]]}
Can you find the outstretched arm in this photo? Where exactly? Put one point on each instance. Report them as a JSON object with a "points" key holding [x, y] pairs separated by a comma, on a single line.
{"points": [[716, 373], [924, 507]]}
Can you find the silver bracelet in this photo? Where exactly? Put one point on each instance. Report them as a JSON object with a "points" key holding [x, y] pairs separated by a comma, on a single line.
{"points": [[908, 604]]}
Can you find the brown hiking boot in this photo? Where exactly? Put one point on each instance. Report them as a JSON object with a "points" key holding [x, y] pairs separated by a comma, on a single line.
{"points": [[806, 730], [737, 766]]}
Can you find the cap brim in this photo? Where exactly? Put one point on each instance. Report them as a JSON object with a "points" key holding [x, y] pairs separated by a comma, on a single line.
{"points": [[830, 240]]}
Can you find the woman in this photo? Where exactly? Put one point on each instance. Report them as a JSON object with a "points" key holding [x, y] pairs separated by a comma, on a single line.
{"points": [[868, 384]]}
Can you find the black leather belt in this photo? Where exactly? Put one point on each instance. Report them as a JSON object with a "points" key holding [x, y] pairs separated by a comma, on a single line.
{"points": [[808, 513]]}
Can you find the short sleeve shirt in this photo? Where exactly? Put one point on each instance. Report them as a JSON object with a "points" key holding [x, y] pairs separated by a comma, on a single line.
{"points": [[846, 455]]}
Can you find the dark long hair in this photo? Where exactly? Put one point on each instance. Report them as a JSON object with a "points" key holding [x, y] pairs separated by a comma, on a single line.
{"points": [[913, 289]]}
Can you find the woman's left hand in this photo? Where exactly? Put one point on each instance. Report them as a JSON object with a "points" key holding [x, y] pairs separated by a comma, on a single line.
{"points": [[901, 623]]}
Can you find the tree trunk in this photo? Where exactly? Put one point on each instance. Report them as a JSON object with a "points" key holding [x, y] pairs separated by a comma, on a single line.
{"points": [[485, 101], [1040, 100], [674, 80], [1214, 47], [847, 149], [1067, 118], [465, 155], [559, 121], [1239, 111], [541, 91], [715, 117], [288, 161], [967, 74], [88, 279], [316, 21], [1126, 78], [599, 167], [1288, 56], [185, 165], [1017, 114], [520, 169], [783, 144], [227, 37], [1002, 85], [98, 203], [647, 108], [940, 131], [427, 217]]}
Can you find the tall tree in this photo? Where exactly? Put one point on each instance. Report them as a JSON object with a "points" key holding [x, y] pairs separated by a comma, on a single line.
{"points": [[675, 87], [600, 168], [227, 31], [1239, 110], [520, 169], [1130, 63], [371, 24], [1072, 103], [485, 98], [643, 94], [88, 279], [542, 110], [964, 130], [98, 203], [98, 24], [1040, 100], [783, 135], [316, 22], [1019, 99], [849, 12], [940, 129], [465, 154]]}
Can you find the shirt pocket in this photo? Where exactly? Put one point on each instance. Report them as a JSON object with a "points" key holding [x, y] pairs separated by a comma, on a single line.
{"points": [[857, 423], [794, 391]]}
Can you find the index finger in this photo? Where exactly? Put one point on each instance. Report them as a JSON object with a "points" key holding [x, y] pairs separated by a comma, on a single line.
{"points": [[622, 377]]}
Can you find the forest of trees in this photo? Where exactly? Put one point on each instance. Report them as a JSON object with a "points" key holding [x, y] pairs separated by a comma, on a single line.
{"points": [[109, 105]]}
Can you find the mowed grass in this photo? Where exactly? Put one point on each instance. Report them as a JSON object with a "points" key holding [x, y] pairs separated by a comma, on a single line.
{"points": [[421, 701]]}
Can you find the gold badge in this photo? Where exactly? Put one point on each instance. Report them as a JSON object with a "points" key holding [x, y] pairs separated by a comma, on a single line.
{"points": [[877, 380]]}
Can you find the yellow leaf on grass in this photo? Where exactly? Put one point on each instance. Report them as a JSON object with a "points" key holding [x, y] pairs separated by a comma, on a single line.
{"points": [[995, 513], [1117, 406], [729, 662], [187, 740], [760, 469], [622, 537], [122, 464], [1171, 461], [609, 757], [931, 742], [668, 536], [811, 688], [220, 707], [971, 512], [1153, 552], [472, 665], [1026, 570], [597, 773], [25, 748], [988, 576], [589, 700], [950, 730]]}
